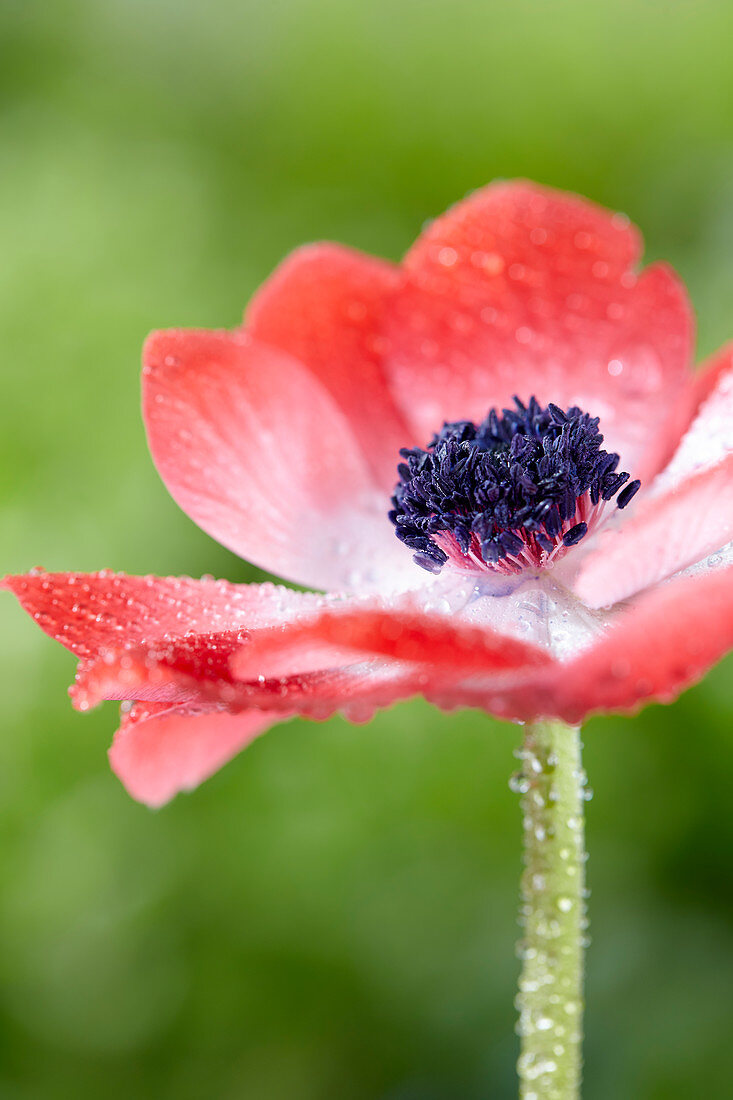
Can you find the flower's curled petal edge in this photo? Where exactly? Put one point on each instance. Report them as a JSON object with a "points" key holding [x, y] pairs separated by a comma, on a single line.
{"points": [[195, 673], [433, 641], [190, 668]]}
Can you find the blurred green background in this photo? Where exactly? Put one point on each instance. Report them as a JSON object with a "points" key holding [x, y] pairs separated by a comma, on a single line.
{"points": [[333, 915]]}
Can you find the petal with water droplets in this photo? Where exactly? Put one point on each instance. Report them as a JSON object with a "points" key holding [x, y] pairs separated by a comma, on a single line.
{"points": [[325, 305], [709, 437], [401, 633], [91, 612], [255, 450], [662, 643], [668, 532], [521, 289], [192, 668]]}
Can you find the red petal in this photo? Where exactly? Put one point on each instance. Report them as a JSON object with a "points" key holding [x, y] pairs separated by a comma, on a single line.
{"points": [[159, 751], [669, 637], [280, 669], [522, 697], [663, 643], [355, 690], [254, 449], [189, 669], [670, 532], [692, 396], [430, 640], [160, 639], [709, 437], [88, 612], [710, 373], [196, 672], [520, 289], [325, 305], [324, 664]]}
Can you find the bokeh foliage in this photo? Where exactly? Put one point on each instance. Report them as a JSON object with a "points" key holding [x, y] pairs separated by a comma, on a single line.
{"points": [[332, 915]]}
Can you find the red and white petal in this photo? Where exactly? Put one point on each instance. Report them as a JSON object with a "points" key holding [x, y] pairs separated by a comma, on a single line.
{"points": [[311, 676], [356, 689], [196, 673], [230, 667], [709, 374], [433, 641], [521, 289], [255, 450], [709, 437], [196, 669], [667, 640], [668, 533], [89, 612], [523, 696], [160, 750], [191, 668], [325, 306], [701, 384]]}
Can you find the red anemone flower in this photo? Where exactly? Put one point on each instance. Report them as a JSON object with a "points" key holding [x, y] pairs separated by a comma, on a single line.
{"points": [[516, 331]]}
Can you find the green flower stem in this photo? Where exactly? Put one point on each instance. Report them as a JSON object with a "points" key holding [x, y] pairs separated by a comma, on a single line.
{"points": [[550, 998]]}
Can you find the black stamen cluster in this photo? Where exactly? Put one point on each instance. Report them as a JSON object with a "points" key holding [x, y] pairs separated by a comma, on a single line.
{"points": [[513, 478]]}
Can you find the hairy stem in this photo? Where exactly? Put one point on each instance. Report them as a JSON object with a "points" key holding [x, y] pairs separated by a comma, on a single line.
{"points": [[550, 998]]}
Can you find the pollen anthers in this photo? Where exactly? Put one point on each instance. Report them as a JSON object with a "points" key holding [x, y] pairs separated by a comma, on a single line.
{"points": [[512, 493]]}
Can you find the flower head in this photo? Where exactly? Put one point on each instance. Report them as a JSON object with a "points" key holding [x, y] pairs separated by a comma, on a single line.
{"points": [[482, 401], [511, 494]]}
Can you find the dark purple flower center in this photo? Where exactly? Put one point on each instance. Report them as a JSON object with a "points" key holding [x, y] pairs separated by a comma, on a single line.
{"points": [[508, 494]]}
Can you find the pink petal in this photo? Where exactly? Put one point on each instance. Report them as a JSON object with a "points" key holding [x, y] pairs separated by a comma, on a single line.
{"points": [[520, 289], [169, 640], [159, 751], [668, 533], [432, 641], [195, 672], [668, 639], [355, 690], [709, 436], [192, 668], [360, 656], [254, 449], [520, 697], [325, 305], [689, 401], [89, 612], [709, 374]]}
